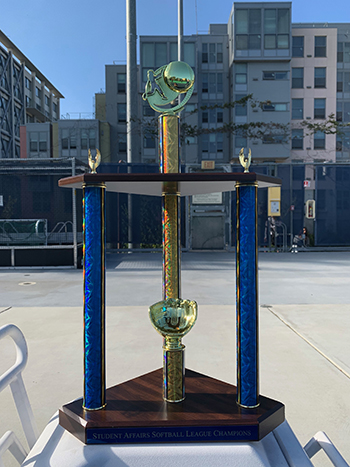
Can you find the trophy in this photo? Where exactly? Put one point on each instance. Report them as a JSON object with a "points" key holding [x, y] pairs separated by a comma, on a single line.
{"points": [[173, 403]]}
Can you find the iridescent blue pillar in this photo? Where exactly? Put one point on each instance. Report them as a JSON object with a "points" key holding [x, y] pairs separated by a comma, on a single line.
{"points": [[247, 296], [94, 296]]}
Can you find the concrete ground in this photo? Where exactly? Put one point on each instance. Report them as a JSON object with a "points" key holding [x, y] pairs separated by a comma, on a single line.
{"points": [[304, 332]]}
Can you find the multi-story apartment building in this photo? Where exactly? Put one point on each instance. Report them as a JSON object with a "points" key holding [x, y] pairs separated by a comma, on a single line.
{"points": [[26, 96], [296, 72]]}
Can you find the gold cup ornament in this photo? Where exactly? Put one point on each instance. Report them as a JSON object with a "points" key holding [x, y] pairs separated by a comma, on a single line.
{"points": [[173, 318]]}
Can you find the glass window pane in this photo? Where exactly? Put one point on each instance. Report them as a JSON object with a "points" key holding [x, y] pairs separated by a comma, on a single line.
{"points": [[297, 139], [219, 82], [254, 21], [241, 21], [212, 53], [283, 41], [319, 140], [346, 112], [240, 142], [283, 21], [212, 115], [173, 52], [319, 108], [298, 46], [254, 41], [241, 42], [340, 50], [346, 52], [240, 109], [189, 54], [281, 107], [148, 55], [346, 82], [212, 82], [161, 54], [320, 78], [297, 78], [241, 79], [320, 46], [270, 41], [297, 109], [270, 17]]}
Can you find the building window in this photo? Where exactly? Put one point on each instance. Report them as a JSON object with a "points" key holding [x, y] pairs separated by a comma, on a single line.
{"points": [[339, 144], [47, 100], [121, 83], [319, 108], [240, 109], [339, 81], [38, 92], [346, 113], [241, 73], [73, 139], [339, 115], [54, 107], [27, 82], [149, 141], [190, 54], [320, 46], [205, 142], [320, 78], [276, 28], [33, 141], [297, 78], [212, 115], [297, 139], [346, 82], [154, 55], [275, 75], [42, 142], [219, 53], [121, 113], [88, 139], [274, 107], [298, 46], [28, 101], [212, 83], [212, 53], [319, 140], [219, 82], [122, 143], [204, 53], [297, 109], [219, 116], [240, 141], [248, 29], [205, 116], [205, 84], [273, 139], [340, 52]]}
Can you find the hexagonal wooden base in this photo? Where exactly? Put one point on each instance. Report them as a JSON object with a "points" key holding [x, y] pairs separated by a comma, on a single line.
{"points": [[136, 413]]}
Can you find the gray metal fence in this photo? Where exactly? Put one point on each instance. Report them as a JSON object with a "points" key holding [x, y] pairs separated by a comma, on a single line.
{"points": [[40, 223]]}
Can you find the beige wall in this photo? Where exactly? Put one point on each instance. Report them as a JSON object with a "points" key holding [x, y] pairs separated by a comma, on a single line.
{"points": [[309, 93]]}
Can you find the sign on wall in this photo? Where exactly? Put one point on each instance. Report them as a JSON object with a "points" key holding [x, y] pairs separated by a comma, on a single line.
{"points": [[209, 198]]}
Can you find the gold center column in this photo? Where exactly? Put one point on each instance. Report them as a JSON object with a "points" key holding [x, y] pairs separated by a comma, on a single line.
{"points": [[173, 349], [169, 163]]}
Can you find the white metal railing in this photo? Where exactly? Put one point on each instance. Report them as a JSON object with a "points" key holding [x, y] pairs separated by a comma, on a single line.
{"points": [[321, 441], [13, 378]]}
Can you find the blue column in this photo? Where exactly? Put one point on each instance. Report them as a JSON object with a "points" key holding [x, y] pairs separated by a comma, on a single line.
{"points": [[247, 296], [94, 296]]}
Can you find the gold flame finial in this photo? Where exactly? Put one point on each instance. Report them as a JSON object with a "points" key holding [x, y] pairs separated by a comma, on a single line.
{"points": [[94, 163], [245, 161]]}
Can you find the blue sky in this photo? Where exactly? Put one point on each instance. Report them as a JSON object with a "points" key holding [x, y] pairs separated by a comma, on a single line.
{"points": [[71, 42]]}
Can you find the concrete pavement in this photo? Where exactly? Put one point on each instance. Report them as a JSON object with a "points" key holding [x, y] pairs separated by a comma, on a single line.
{"points": [[304, 332]]}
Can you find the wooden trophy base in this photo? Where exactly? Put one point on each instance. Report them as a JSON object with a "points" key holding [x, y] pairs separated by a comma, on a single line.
{"points": [[136, 413]]}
